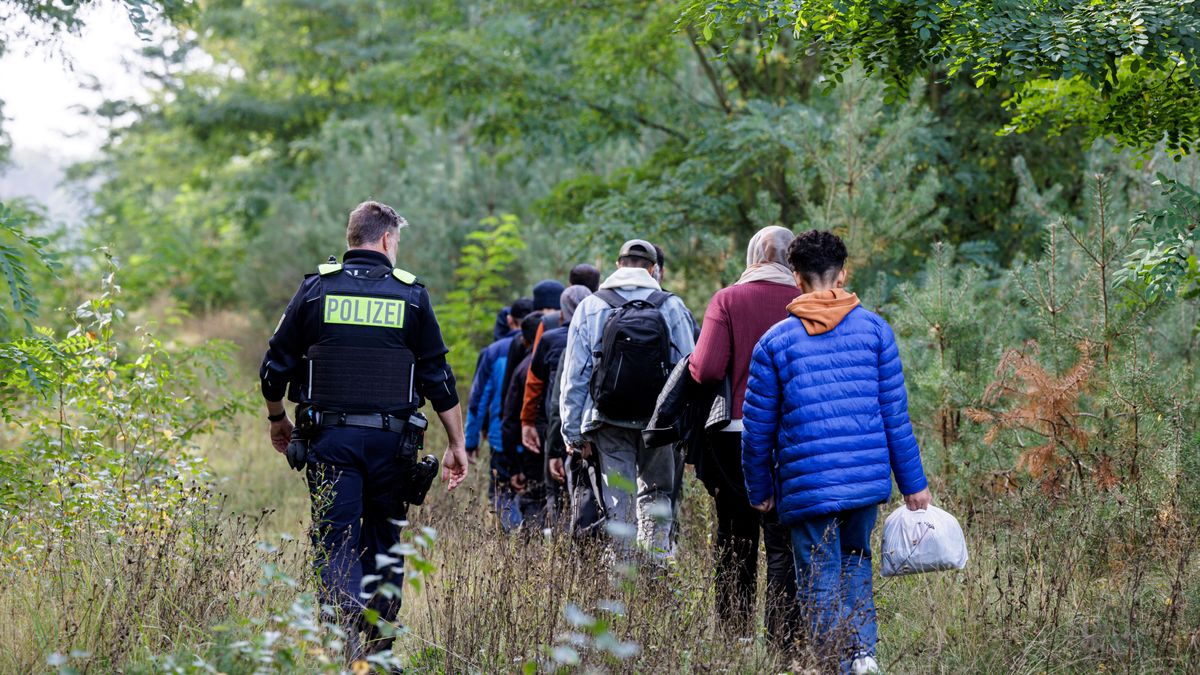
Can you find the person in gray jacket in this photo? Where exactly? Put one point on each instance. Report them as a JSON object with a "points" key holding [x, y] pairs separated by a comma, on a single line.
{"points": [[625, 461]]}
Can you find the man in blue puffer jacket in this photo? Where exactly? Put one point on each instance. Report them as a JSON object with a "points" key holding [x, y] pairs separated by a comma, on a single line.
{"points": [[826, 424]]}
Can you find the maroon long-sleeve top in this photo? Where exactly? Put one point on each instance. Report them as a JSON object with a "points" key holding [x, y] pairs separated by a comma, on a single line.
{"points": [[733, 323]]}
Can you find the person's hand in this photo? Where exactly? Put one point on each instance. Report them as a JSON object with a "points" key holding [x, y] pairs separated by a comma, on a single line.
{"points": [[918, 501], [454, 466], [530, 439], [281, 434], [584, 449], [557, 470], [766, 506], [472, 455], [517, 482]]}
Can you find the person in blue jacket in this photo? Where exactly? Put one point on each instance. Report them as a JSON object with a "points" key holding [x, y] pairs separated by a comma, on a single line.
{"points": [[825, 427], [484, 413]]}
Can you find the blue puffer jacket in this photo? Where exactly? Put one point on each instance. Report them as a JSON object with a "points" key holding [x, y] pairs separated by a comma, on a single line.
{"points": [[826, 418]]}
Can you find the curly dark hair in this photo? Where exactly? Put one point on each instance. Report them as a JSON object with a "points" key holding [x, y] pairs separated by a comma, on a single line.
{"points": [[818, 256]]}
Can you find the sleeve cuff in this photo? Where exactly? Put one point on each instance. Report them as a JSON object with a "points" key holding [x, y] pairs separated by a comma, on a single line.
{"points": [[913, 488], [756, 498], [443, 403], [273, 392]]}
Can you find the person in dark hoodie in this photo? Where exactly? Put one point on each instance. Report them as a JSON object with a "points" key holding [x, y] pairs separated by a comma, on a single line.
{"points": [[535, 386], [735, 319], [526, 476], [539, 404], [484, 409], [545, 302], [825, 428], [533, 406]]}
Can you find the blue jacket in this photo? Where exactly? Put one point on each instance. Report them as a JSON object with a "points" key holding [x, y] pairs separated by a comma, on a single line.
{"points": [[484, 404], [826, 419]]}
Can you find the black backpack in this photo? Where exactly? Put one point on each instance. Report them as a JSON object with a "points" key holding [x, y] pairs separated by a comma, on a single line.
{"points": [[633, 362]]}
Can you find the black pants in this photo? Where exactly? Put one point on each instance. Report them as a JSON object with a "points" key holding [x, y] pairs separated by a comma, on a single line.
{"points": [[354, 476], [541, 501], [738, 525]]}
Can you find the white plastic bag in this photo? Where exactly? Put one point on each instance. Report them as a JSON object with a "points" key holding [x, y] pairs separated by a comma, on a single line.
{"points": [[927, 540]]}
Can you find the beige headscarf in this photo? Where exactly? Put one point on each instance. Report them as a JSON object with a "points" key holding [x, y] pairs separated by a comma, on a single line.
{"points": [[766, 257]]}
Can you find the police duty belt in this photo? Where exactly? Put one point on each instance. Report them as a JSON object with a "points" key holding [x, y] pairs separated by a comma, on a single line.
{"points": [[381, 421]]}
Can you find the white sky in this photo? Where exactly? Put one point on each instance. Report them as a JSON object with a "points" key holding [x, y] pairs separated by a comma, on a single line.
{"points": [[39, 84]]}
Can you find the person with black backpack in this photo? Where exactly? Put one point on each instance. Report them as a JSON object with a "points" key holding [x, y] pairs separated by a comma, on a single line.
{"points": [[622, 343]]}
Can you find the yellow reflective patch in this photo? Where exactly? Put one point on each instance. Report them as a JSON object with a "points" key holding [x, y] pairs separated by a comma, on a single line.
{"points": [[360, 311]]}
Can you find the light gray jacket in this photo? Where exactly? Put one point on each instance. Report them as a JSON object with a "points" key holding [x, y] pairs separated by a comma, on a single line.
{"points": [[579, 414]]}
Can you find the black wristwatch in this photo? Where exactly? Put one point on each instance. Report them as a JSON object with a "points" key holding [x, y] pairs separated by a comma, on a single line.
{"points": [[277, 418]]}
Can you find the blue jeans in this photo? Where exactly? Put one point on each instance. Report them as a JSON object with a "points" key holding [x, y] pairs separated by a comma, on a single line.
{"points": [[833, 578], [505, 504]]}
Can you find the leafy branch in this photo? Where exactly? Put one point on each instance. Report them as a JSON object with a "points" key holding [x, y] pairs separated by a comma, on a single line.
{"points": [[1124, 68], [1164, 264], [483, 276], [18, 250]]}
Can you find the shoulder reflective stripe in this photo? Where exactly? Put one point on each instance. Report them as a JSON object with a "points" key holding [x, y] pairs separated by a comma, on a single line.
{"points": [[328, 268], [362, 311], [280, 322], [403, 276]]}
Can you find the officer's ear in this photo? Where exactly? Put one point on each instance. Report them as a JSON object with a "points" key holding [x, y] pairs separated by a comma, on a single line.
{"points": [[390, 243]]}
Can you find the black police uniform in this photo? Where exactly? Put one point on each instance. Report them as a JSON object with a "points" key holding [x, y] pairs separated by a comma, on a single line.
{"points": [[359, 343]]}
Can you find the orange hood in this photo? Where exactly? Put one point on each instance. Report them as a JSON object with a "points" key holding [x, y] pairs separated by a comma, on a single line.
{"points": [[822, 311]]}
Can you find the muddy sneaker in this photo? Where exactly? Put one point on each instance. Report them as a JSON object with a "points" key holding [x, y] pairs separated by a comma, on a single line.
{"points": [[863, 665]]}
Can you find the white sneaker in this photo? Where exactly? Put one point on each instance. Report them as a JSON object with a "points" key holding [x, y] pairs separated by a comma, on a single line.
{"points": [[863, 665]]}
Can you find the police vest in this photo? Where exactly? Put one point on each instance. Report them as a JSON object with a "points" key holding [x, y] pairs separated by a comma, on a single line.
{"points": [[361, 361]]}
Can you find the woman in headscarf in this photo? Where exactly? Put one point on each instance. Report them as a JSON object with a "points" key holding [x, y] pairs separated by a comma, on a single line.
{"points": [[735, 319]]}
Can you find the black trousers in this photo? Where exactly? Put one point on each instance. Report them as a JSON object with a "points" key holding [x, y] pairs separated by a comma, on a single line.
{"points": [[738, 530], [354, 476]]}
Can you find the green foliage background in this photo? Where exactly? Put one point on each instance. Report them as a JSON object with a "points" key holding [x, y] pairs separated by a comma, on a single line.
{"points": [[590, 123]]}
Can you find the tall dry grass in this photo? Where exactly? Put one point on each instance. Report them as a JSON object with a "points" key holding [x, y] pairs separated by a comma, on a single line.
{"points": [[1102, 583]]}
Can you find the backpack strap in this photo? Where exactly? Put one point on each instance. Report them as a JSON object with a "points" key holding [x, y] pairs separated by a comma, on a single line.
{"points": [[658, 298], [613, 298]]}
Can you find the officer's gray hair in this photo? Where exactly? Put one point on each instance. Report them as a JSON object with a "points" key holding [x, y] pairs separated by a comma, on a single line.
{"points": [[369, 221]]}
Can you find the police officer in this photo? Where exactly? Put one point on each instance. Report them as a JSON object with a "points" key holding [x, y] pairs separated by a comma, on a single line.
{"points": [[359, 350]]}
